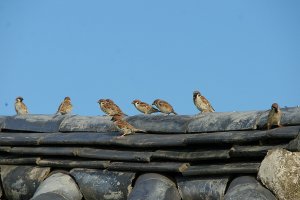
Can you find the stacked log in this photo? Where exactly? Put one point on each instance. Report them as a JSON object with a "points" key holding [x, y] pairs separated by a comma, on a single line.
{"points": [[184, 156]]}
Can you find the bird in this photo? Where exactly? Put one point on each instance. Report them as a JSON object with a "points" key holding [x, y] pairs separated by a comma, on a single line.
{"points": [[20, 107], [274, 116], [109, 107], [144, 107], [164, 106], [65, 107], [124, 127], [202, 103]]}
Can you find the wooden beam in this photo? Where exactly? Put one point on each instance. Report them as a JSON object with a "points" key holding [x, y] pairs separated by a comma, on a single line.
{"points": [[149, 167], [223, 169]]}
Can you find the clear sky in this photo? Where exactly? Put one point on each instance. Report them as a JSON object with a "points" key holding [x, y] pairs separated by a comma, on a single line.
{"points": [[242, 55]]}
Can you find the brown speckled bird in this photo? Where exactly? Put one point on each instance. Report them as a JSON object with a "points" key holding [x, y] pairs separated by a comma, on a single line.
{"points": [[274, 116], [65, 107], [124, 127], [144, 107], [20, 107], [109, 107], [202, 103], [164, 106]]}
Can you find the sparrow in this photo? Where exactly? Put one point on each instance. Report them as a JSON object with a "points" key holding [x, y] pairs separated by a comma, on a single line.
{"points": [[65, 107], [124, 127], [109, 107], [144, 107], [202, 103], [164, 106], [274, 116], [20, 107]]}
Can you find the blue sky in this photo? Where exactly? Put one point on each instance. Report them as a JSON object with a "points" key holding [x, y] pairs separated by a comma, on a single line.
{"points": [[242, 55]]}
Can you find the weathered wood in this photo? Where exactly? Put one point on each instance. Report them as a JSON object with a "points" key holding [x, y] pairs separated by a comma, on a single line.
{"points": [[252, 151], [20, 139], [202, 188], [241, 137], [118, 155], [69, 163], [290, 116], [18, 160], [142, 140], [191, 156], [149, 167], [247, 187], [20, 182], [236, 137], [161, 123], [104, 154], [60, 186], [154, 186], [87, 124], [109, 139], [34, 123], [103, 184], [288, 132], [227, 121], [222, 169]]}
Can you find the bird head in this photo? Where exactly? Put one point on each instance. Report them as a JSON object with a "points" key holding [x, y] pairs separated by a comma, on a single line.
{"points": [[19, 99], [67, 99], [275, 107], [136, 101], [196, 93]]}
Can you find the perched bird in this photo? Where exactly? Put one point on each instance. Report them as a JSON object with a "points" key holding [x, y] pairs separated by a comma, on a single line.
{"points": [[164, 106], [124, 127], [20, 107], [65, 107], [274, 116], [109, 107], [202, 103], [144, 107]]}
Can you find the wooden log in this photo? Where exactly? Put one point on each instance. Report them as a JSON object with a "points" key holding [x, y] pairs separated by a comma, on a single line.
{"points": [[116, 155], [223, 169], [20, 139], [34, 123], [103, 184], [110, 139], [103, 154], [148, 167], [247, 187], [154, 186], [20, 182], [202, 188], [288, 132], [69, 163], [17, 160], [58, 186], [87, 124], [236, 137], [229, 121], [161, 123], [191, 156], [252, 151], [241, 137], [290, 117]]}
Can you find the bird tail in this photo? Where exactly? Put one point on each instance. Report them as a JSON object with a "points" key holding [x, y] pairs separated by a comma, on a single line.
{"points": [[175, 113], [154, 110], [139, 130]]}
